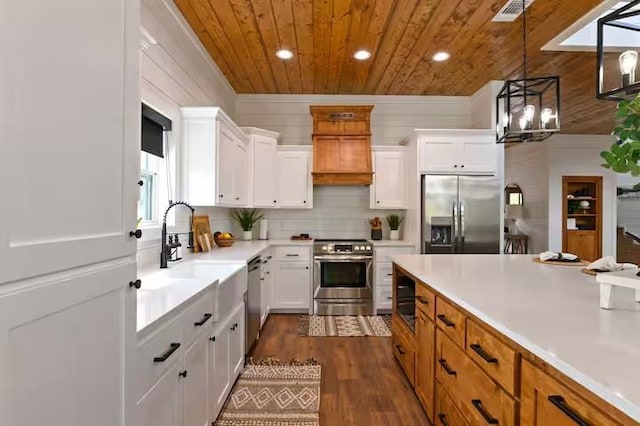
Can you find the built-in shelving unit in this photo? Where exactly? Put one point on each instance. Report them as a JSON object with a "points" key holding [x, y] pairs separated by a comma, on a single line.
{"points": [[582, 216]]}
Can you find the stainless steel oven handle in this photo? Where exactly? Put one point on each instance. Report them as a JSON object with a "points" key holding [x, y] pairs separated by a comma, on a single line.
{"points": [[342, 258]]}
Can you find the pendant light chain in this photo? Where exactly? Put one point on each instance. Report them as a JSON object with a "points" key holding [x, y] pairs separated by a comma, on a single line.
{"points": [[524, 38]]}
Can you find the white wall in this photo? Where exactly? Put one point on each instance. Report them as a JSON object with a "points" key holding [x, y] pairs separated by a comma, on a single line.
{"points": [[392, 118]]}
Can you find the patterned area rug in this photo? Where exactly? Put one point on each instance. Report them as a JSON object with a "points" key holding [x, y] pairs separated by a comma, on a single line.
{"points": [[344, 326], [269, 393]]}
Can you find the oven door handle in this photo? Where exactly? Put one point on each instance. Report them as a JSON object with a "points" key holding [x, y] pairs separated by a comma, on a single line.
{"points": [[341, 258]]}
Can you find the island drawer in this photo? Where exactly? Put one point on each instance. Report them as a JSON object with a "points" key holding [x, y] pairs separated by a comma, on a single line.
{"points": [[446, 412], [496, 358], [425, 300], [291, 253], [476, 395], [403, 349], [451, 320]]}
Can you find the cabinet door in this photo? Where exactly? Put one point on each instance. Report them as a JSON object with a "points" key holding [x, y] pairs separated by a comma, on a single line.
{"points": [[388, 190], [326, 157], [291, 288], [195, 384], [478, 157], [225, 165], [355, 154], [162, 405], [425, 364], [265, 171], [240, 174], [236, 342], [583, 244], [294, 189], [72, 157], [59, 338], [439, 156], [219, 378]]}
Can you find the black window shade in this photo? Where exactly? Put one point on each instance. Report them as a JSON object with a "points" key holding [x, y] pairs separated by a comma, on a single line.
{"points": [[153, 126]]}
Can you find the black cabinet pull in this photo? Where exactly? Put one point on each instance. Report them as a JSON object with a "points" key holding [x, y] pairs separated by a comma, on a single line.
{"points": [[306, 267], [446, 320], [183, 373], [137, 233], [377, 202], [237, 198], [213, 339], [422, 300], [204, 319], [274, 201], [443, 419], [221, 195], [292, 255], [488, 358], [400, 350], [305, 201], [389, 275], [487, 417], [137, 284], [172, 348], [561, 404], [455, 165], [140, 182], [445, 366]]}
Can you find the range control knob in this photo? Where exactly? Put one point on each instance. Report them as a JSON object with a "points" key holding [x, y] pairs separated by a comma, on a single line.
{"points": [[356, 248], [368, 247], [324, 248]]}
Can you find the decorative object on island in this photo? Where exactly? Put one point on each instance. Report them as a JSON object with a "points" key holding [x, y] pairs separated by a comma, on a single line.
{"points": [[582, 202], [625, 152], [528, 109], [376, 228], [621, 24], [394, 222], [246, 218], [342, 145]]}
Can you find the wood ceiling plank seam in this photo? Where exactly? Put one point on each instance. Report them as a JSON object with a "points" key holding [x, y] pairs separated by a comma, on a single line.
{"points": [[245, 18], [266, 25], [285, 31], [303, 21], [401, 14], [340, 24], [322, 16], [201, 32]]}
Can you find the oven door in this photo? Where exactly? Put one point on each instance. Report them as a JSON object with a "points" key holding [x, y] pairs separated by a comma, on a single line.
{"points": [[342, 277]]}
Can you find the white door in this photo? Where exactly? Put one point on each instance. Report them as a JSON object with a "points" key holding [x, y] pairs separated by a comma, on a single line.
{"points": [[219, 377], [388, 189], [240, 174], [291, 286], [237, 342], [69, 114], [162, 405], [439, 156], [196, 383], [265, 171], [294, 179], [66, 342], [225, 164], [479, 157]]}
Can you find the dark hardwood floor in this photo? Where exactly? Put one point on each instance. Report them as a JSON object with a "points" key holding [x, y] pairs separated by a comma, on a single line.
{"points": [[362, 384]]}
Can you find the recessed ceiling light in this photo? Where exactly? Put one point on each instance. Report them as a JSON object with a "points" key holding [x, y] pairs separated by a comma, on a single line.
{"points": [[441, 56], [284, 54], [362, 55]]}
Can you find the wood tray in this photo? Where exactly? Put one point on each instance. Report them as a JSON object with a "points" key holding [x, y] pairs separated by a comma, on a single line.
{"points": [[555, 262]]}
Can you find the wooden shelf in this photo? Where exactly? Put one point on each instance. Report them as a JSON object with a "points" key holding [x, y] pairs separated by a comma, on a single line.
{"points": [[585, 242], [582, 215], [582, 199]]}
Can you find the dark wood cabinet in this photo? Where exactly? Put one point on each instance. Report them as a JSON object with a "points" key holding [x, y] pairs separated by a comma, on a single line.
{"points": [[425, 363]]}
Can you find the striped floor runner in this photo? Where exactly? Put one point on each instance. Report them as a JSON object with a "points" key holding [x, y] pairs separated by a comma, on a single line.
{"points": [[344, 326]]}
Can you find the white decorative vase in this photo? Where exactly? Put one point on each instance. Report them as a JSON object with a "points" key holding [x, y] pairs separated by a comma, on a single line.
{"points": [[394, 234], [247, 235]]}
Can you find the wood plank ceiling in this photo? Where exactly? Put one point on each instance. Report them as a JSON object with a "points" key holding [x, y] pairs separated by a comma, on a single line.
{"points": [[243, 35]]}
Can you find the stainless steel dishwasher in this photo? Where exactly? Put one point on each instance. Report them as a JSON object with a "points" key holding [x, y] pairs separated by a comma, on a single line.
{"points": [[252, 302]]}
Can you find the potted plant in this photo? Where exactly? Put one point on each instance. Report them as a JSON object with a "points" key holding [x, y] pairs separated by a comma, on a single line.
{"points": [[394, 222], [246, 218], [624, 155]]}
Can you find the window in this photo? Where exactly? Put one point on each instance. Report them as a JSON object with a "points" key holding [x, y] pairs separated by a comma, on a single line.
{"points": [[148, 201]]}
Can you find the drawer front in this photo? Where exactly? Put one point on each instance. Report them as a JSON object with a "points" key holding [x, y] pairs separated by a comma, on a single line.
{"points": [[405, 355], [425, 300], [451, 321], [291, 253], [446, 412], [197, 317], [384, 254], [158, 346], [478, 398], [384, 297], [496, 358], [383, 274]]}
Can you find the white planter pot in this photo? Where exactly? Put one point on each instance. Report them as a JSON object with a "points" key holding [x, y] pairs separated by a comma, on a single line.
{"points": [[247, 235], [394, 234]]}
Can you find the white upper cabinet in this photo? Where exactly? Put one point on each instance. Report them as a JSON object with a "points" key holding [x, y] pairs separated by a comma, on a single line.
{"points": [[215, 158], [263, 168], [388, 188], [71, 157], [295, 188], [458, 151]]}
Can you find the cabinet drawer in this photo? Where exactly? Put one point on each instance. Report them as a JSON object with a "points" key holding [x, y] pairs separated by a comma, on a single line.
{"points": [[425, 300], [197, 317], [404, 353], [383, 274], [446, 412], [476, 395], [496, 358], [167, 344], [291, 253], [384, 296], [450, 320], [384, 254]]}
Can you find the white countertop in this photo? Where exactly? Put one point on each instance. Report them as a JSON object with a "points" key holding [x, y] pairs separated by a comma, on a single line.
{"points": [[243, 250], [392, 243], [552, 311]]}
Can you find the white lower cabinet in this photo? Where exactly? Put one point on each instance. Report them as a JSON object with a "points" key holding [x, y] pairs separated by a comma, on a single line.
{"points": [[195, 381], [291, 286], [161, 405], [236, 342], [383, 274], [219, 371]]}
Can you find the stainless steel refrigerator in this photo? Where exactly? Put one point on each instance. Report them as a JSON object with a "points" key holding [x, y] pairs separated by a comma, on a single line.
{"points": [[461, 214]]}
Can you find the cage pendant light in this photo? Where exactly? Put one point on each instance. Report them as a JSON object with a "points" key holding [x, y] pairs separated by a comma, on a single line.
{"points": [[528, 109]]}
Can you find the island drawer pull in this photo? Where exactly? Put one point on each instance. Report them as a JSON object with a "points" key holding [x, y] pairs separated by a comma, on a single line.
{"points": [[487, 417], [422, 300], [443, 419], [204, 319], [445, 366], [561, 404], [400, 350], [484, 355], [172, 348], [446, 320]]}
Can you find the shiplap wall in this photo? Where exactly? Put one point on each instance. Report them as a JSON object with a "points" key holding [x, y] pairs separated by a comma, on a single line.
{"points": [[392, 118]]}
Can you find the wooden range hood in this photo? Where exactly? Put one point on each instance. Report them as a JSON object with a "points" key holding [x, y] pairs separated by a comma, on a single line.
{"points": [[341, 145]]}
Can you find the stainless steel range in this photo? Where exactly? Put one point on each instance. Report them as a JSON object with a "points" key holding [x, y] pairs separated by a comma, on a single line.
{"points": [[342, 277]]}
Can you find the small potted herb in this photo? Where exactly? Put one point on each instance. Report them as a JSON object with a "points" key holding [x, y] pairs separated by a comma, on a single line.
{"points": [[246, 218], [394, 222]]}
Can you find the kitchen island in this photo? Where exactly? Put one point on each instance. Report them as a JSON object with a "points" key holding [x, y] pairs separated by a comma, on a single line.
{"points": [[529, 330]]}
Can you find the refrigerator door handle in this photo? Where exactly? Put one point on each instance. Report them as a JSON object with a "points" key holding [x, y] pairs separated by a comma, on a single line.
{"points": [[462, 224], [454, 227]]}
